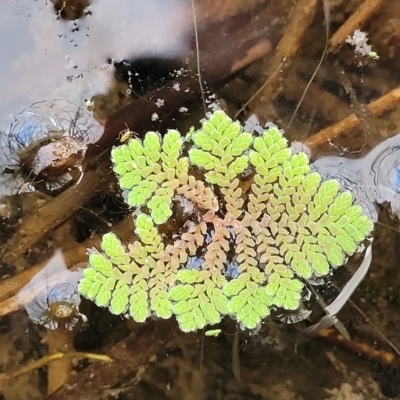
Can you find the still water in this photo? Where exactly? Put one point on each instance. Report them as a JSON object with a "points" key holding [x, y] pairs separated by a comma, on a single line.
{"points": [[71, 71]]}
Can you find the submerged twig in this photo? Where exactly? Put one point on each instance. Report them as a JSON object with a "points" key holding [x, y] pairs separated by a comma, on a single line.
{"points": [[376, 107], [50, 358], [302, 16], [43, 221], [363, 349]]}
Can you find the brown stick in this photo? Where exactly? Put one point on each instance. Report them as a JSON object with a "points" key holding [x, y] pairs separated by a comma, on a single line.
{"points": [[50, 358], [377, 107], [355, 21], [366, 350], [302, 16]]}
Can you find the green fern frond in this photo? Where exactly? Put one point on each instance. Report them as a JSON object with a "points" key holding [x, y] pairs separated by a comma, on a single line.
{"points": [[257, 227]]}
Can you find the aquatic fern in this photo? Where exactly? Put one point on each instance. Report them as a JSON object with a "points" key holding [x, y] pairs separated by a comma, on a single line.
{"points": [[133, 280], [148, 171], [257, 227]]}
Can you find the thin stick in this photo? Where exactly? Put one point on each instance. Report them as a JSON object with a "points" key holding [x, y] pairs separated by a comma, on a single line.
{"points": [[53, 357], [259, 90], [196, 35], [355, 21], [235, 356], [327, 14], [377, 330], [202, 349], [376, 107]]}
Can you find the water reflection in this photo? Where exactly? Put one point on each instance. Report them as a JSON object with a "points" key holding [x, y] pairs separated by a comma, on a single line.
{"points": [[51, 298], [372, 179], [44, 56]]}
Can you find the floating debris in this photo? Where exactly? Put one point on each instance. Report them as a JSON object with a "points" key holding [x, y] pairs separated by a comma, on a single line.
{"points": [[160, 103], [359, 40], [44, 145], [51, 298], [213, 332]]}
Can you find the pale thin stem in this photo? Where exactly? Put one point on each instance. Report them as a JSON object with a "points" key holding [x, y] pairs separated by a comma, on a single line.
{"points": [[57, 356]]}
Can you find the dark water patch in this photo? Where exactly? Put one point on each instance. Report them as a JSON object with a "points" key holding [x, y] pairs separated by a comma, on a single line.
{"points": [[144, 74]]}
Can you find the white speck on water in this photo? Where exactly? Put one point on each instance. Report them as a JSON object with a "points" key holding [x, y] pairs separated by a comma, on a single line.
{"points": [[183, 110], [179, 72], [176, 86], [359, 41], [159, 103], [154, 117]]}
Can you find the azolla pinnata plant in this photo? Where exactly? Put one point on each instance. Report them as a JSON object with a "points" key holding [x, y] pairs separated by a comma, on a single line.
{"points": [[258, 225]]}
